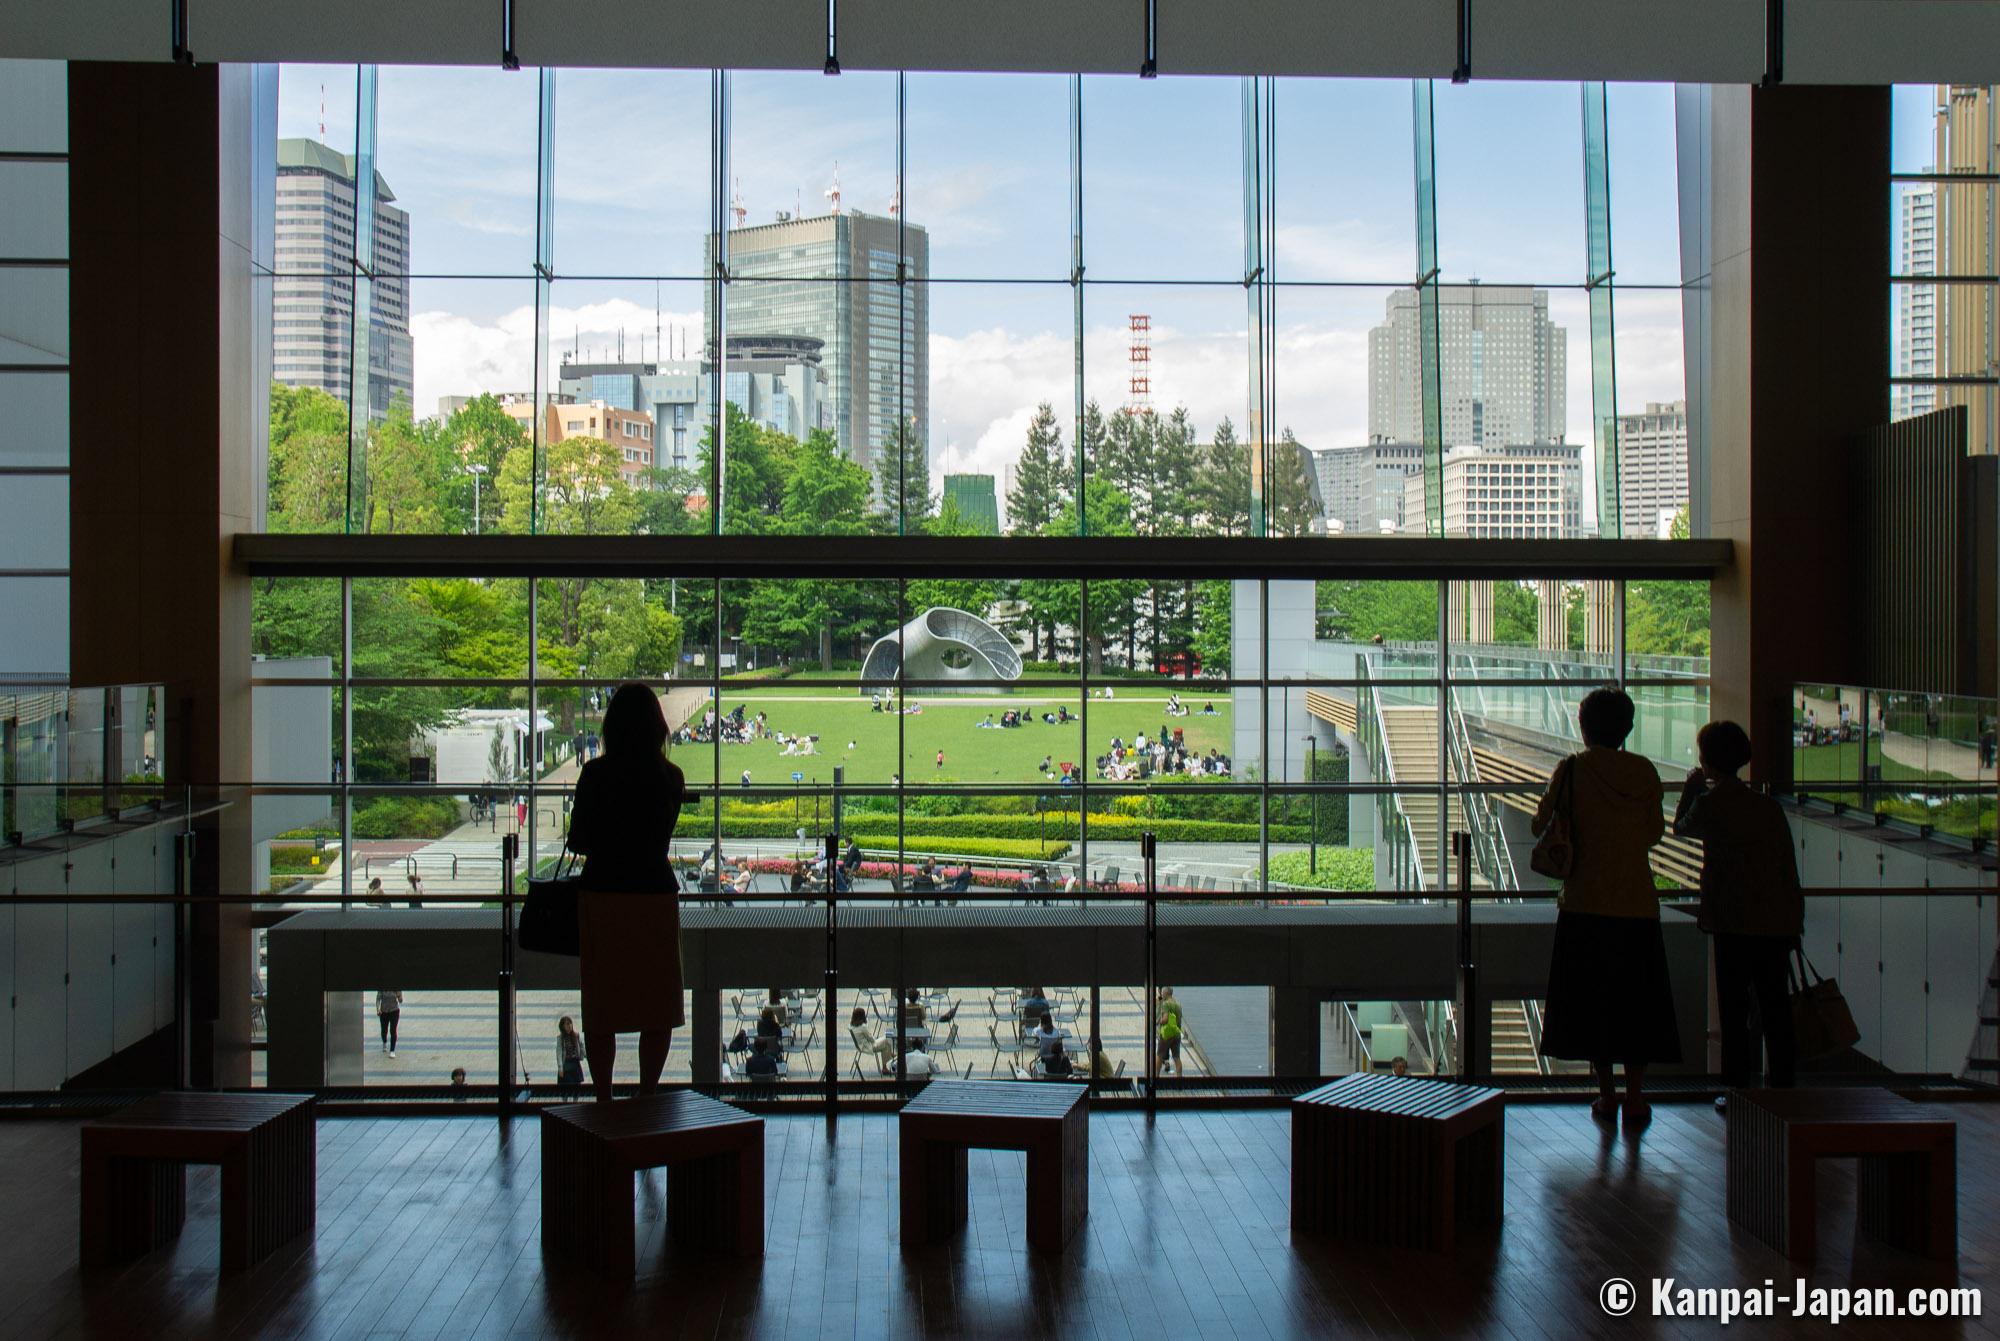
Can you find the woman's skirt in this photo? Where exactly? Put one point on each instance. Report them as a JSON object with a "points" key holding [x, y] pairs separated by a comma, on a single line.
{"points": [[631, 961], [1609, 996]]}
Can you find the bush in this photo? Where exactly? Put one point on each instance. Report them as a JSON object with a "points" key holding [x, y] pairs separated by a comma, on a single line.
{"points": [[297, 859], [1350, 869], [406, 817], [1054, 826]]}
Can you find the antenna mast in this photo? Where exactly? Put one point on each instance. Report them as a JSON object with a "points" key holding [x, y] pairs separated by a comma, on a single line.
{"points": [[833, 192], [1139, 384]]}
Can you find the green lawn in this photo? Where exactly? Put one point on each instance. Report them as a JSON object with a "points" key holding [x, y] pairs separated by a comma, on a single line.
{"points": [[951, 724]]}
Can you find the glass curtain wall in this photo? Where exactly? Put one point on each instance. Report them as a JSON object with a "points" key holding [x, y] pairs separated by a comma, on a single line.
{"points": [[961, 304]]}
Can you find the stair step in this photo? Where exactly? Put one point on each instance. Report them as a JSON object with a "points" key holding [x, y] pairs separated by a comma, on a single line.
{"points": [[1982, 1064]]}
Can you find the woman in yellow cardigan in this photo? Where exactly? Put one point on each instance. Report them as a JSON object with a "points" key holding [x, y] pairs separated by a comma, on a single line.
{"points": [[1609, 999]]}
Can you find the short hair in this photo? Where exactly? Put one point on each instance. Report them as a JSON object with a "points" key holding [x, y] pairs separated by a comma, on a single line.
{"points": [[1605, 717], [1723, 746], [762, 1043]]}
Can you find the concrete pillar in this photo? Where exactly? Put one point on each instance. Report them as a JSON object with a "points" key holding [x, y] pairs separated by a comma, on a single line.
{"points": [[705, 1037], [166, 409], [1600, 617], [1471, 619], [1551, 616], [1295, 1032], [1787, 322]]}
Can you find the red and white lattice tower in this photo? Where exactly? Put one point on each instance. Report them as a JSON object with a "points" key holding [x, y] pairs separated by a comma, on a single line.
{"points": [[737, 210], [1139, 386]]}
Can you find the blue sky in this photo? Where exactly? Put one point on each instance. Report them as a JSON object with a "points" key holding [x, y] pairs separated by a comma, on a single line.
{"points": [[988, 176]]}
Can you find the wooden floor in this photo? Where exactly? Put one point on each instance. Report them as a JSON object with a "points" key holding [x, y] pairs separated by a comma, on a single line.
{"points": [[428, 1228]]}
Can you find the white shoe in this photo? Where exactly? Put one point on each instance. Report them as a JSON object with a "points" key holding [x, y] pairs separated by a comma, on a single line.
{"points": [[392, 1052]]}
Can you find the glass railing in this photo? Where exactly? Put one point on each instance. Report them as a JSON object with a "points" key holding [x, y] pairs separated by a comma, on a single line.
{"points": [[99, 937], [1927, 764], [68, 756]]}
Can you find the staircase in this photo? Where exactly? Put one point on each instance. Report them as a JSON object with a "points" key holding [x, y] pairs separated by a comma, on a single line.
{"points": [[1512, 1044], [1411, 737]]}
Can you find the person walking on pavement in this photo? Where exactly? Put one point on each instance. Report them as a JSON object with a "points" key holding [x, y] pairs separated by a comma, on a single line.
{"points": [[388, 1014]]}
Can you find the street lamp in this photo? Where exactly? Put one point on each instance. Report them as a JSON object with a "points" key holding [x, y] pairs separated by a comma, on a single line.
{"points": [[1312, 775], [475, 470]]}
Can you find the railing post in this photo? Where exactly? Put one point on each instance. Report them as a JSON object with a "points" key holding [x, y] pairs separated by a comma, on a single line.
{"points": [[1148, 851], [831, 989], [183, 983], [504, 1071], [1471, 1020]]}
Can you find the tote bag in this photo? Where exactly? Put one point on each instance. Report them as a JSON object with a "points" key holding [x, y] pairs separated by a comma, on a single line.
{"points": [[548, 915], [1555, 851], [1821, 1021]]}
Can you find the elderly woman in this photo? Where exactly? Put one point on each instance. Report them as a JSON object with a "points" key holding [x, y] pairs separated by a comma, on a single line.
{"points": [[1609, 1000]]}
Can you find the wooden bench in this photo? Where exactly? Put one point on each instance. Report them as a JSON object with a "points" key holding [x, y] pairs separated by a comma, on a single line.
{"points": [[1397, 1160], [713, 1154], [1048, 1120], [134, 1173], [1906, 1165]]}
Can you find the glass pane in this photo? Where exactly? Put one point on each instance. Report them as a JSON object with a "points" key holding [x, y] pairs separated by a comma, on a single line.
{"points": [[1165, 368], [988, 173], [1001, 364], [456, 152], [796, 136], [1913, 122], [630, 172], [1510, 182], [1340, 369], [1141, 223], [1652, 415], [1645, 189], [1344, 188]]}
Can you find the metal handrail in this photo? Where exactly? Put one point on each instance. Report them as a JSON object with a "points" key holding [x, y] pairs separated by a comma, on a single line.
{"points": [[1489, 848], [1368, 712]]}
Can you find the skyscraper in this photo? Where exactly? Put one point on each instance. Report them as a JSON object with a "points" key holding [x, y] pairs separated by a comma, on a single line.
{"points": [[833, 277], [1916, 304], [1503, 364], [1507, 493], [1652, 467], [977, 503], [312, 300], [1968, 345]]}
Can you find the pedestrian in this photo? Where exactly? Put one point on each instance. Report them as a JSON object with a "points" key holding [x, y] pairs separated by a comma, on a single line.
{"points": [[375, 894], [1171, 1029], [940, 759], [1750, 905], [388, 1014], [1399, 1066], [416, 890], [569, 1054], [1610, 1002], [521, 813], [746, 778]]}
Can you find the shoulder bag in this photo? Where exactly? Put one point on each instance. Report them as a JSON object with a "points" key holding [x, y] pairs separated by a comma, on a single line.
{"points": [[548, 915], [1555, 851], [1821, 1021]]}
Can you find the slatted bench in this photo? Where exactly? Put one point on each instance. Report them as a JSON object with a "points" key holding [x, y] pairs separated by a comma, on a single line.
{"points": [[713, 1154], [1906, 1165], [1397, 1160], [134, 1173], [1048, 1120]]}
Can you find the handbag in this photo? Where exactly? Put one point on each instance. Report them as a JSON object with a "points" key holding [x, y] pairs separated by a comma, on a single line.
{"points": [[548, 915], [1555, 853], [1821, 1022]]}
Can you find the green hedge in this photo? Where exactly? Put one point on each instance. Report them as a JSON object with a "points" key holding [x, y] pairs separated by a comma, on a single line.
{"points": [[1113, 828], [1011, 849], [1351, 869], [406, 817]]}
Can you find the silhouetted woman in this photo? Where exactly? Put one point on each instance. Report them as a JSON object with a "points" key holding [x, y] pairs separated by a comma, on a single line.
{"points": [[1609, 999], [627, 800]]}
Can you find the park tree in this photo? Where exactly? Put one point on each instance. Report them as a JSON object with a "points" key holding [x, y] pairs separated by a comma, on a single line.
{"points": [[1361, 611], [1106, 512], [307, 477], [903, 481], [1044, 477], [480, 433], [1291, 489], [1516, 614], [1222, 483], [411, 477], [1668, 618], [1213, 617]]}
